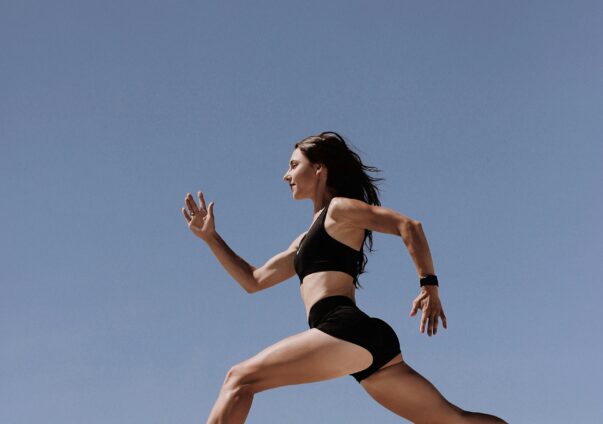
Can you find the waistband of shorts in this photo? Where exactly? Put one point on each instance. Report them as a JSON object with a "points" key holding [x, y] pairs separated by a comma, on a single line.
{"points": [[324, 305]]}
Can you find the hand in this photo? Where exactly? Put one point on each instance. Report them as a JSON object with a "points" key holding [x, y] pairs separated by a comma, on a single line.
{"points": [[431, 309], [200, 220]]}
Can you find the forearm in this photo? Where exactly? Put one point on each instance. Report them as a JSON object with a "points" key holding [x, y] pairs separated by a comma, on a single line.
{"points": [[414, 238], [236, 266]]}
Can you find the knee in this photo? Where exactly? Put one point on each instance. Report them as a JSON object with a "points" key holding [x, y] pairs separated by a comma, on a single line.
{"points": [[239, 380]]}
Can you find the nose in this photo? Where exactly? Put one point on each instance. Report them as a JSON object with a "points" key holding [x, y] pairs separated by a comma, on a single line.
{"points": [[286, 176]]}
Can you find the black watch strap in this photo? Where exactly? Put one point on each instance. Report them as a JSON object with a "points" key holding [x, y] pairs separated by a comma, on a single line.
{"points": [[429, 280]]}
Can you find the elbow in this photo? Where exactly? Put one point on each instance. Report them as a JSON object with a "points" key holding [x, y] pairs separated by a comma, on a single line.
{"points": [[416, 228], [408, 227], [252, 285], [250, 289]]}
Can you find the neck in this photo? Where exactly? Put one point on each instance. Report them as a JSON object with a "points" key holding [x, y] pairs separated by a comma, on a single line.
{"points": [[320, 205]]}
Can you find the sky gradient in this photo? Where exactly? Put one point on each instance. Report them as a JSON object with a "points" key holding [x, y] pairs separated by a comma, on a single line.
{"points": [[485, 118]]}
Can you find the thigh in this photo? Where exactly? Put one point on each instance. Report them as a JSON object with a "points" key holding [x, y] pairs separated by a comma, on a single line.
{"points": [[405, 392], [303, 358]]}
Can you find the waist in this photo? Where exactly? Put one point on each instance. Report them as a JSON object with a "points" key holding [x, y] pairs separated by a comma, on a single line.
{"points": [[324, 266], [320, 310], [321, 285]]}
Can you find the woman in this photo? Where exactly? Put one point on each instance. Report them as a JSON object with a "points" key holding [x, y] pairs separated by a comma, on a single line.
{"points": [[328, 259]]}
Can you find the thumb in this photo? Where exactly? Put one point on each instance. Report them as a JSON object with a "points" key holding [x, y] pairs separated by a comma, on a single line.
{"points": [[415, 307], [210, 210], [416, 303]]}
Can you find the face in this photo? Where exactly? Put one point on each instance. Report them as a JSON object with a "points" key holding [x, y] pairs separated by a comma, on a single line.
{"points": [[302, 175]]}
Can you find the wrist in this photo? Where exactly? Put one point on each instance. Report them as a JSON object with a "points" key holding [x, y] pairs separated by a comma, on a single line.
{"points": [[429, 280], [433, 291], [211, 238]]}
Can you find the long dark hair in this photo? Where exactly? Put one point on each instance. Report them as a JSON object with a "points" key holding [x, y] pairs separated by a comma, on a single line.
{"points": [[346, 177]]}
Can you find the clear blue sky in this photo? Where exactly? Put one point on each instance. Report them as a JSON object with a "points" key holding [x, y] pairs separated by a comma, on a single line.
{"points": [[484, 116]]}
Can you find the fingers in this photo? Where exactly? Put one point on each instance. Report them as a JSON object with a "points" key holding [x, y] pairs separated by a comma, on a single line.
{"points": [[186, 216], [429, 321], [191, 211], [423, 320], [201, 200], [417, 303], [431, 313], [190, 204]]}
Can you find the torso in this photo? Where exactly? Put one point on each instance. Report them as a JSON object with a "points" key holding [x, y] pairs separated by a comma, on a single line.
{"points": [[332, 283]]}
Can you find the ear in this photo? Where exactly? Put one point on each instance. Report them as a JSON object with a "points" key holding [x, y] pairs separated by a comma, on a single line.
{"points": [[322, 171]]}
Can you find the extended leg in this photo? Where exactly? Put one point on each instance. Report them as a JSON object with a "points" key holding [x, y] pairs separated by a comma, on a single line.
{"points": [[406, 393], [303, 358]]}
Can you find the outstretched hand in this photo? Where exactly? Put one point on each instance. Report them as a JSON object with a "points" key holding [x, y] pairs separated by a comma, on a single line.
{"points": [[200, 219], [428, 301]]}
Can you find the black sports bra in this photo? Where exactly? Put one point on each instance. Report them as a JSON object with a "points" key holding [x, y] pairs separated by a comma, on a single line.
{"points": [[318, 251]]}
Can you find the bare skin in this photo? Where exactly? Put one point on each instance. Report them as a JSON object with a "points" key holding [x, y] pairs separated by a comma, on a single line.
{"points": [[312, 355]]}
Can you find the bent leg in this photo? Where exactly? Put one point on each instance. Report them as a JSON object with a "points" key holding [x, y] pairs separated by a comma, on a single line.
{"points": [[406, 393], [303, 358]]}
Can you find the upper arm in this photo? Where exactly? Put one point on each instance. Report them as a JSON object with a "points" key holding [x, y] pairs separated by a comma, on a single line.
{"points": [[359, 214], [278, 268]]}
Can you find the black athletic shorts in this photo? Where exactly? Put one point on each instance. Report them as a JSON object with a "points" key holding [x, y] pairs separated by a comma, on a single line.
{"points": [[339, 317]]}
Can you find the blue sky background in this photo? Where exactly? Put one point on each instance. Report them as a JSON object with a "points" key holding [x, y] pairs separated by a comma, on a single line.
{"points": [[484, 116]]}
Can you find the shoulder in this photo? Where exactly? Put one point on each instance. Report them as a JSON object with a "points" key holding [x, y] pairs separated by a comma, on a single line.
{"points": [[359, 214], [343, 205], [348, 211], [340, 201]]}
